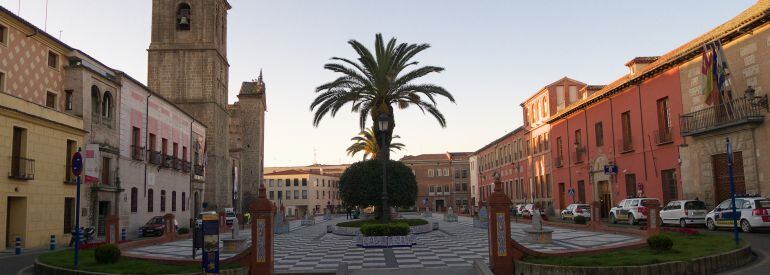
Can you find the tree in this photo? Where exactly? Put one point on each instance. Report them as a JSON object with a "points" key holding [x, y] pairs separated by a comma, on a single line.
{"points": [[377, 83], [366, 141], [361, 184]]}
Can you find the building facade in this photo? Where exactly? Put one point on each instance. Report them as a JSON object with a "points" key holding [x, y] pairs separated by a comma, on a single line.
{"points": [[247, 140], [303, 192], [443, 180], [39, 136]]}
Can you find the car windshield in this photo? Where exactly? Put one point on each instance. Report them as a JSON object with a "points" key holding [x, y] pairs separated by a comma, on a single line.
{"points": [[695, 205], [763, 203], [645, 201], [583, 207], [230, 214], [156, 221]]}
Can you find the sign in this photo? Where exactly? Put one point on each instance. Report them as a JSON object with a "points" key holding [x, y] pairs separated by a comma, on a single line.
{"points": [[610, 169], [571, 192], [77, 164], [92, 167], [210, 261]]}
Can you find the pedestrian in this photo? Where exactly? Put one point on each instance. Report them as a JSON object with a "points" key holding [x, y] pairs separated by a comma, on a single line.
{"points": [[349, 213]]}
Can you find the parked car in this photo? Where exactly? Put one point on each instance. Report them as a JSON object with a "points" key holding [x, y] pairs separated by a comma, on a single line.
{"points": [[528, 209], [684, 213], [519, 209], [154, 227], [631, 210], [576, 209], [752, 212]]}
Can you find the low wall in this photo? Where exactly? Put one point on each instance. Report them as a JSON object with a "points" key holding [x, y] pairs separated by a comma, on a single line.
{"points": [[697, 266], [44, 269]]}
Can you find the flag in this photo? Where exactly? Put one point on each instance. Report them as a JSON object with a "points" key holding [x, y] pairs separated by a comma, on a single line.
{"points": [[707, 70], [723, 73], [205, 158]]}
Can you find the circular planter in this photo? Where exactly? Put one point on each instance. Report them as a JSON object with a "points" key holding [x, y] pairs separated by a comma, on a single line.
{"points": [[703, 265], [355, 231]]}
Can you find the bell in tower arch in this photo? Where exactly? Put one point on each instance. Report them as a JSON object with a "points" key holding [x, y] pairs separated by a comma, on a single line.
{"points": [[183, 17]]}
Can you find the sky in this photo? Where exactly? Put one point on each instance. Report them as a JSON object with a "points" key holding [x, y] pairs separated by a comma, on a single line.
{"points": [[496, 54]]}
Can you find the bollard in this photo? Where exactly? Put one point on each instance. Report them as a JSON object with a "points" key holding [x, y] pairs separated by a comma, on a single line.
{"points": [[53, 242], [139, 232], [17, 250], [122, 234]]}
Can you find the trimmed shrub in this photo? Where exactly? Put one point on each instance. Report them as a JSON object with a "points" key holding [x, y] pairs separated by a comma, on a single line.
{"points": [[399, 229], [660, 242], [359, 223], [107, 254], [371, 229], [183, 230], [580, 220]]}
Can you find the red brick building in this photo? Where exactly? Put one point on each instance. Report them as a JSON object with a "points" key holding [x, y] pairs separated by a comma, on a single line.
{"points": [[443, 180]]}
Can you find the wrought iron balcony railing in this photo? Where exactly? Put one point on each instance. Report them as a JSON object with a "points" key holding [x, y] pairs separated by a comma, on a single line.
{"points": [[731, 113], [137, 152], [198, 169], [167, 161], [186, 166], [155, 157], [22, 168]]}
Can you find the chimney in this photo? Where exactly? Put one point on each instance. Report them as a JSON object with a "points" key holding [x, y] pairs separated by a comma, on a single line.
{"points": [[639, 63]]}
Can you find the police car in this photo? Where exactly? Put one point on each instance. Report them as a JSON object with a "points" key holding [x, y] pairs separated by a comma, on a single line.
{"points": [[751, 212], [576, 209], [631, 210]]}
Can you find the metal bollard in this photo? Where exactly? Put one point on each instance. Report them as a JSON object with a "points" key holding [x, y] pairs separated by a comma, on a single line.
{"points": [[139, 233], [122, 234], [53, 242], [17, 250]]}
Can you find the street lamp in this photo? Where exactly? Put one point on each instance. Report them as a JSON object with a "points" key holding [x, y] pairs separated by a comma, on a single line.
{"points": [[383, 127]]}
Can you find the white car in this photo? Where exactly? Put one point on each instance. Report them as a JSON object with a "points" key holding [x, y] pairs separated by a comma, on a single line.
{"points": [[576, 209], [752, 212], [684, 212], [631, 210], [528, 209]]}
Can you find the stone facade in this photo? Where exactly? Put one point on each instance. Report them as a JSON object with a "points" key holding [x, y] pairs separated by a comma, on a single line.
{"points": [[247, 139]]}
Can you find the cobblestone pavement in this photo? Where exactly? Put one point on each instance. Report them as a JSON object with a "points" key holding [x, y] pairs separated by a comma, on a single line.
{"points": [[455, 244]]}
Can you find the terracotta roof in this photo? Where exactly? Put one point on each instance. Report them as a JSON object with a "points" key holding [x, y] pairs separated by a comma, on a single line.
{"points": [[293, 172], [642, 60], [549, 85], [443, 156], [751, 18], [499, 139]]}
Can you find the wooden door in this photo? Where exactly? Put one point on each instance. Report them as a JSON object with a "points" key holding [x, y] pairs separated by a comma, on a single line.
{"points": [[722, 178]]}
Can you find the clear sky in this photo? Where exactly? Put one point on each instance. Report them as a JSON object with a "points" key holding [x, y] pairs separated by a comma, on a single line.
{"points": [[496, 54]]}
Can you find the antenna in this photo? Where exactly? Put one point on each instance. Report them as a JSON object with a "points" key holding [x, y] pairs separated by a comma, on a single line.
{"points": [[60, 31]]}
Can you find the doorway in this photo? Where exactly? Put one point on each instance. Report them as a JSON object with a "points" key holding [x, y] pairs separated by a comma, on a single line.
{"points": [[104, 211], [16, 220], [722, 178], [439, 205], [605, 198], [581, 192]]}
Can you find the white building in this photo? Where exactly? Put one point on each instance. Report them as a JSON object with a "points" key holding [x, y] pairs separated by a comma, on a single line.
{"points": [[303, 191]]}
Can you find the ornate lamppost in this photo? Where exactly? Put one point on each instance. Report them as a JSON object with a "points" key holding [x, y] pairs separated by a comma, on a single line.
{"points": [[383, 127]]}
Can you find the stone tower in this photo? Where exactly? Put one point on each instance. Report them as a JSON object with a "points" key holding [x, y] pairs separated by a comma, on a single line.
{"points": [[188, 66], [247, 124]]}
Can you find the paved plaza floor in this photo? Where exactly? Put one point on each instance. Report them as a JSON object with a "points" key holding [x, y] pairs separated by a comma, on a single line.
{"points": [[457, 244]]}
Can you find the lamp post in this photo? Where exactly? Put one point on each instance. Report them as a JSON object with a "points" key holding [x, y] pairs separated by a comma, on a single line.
{"points": [[383, 127]]}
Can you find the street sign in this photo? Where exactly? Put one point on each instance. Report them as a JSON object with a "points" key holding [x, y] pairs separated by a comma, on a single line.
{"points": [[210, 228], [571, 192], [77, 164], [611, 169]]}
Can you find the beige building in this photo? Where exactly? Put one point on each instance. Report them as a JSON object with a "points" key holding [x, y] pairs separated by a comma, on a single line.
{"points": [[303, 191], [37, 136]]}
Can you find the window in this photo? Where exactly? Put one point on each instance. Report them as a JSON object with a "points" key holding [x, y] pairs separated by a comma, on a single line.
{"points": [[560, 97], [625, 119], [446, 172], [150, 198], [599, 129], [151, 144], [270, 182], [304, 194], [630, 185], [2, 82], [280, 195], [106, 167], [174, 149], [50, 100], [4, 40], [316, 182], [669, 184], [304, 182], [95, 99], [296, 194], [53, 60], [184, 153], [317, 193], [296, 182], [288, 195], [107, 105], [162, 200], [664, 121], [173, 200], [559, 153], [272, 195], [67, 97], [430, 172], [71, 148], [183, 17], [572, 94], [134, 199], [184, 201], [164, 147], [69, 215]]}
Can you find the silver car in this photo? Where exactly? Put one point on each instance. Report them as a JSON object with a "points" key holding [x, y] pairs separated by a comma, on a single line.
{"points": [[684, 213]]}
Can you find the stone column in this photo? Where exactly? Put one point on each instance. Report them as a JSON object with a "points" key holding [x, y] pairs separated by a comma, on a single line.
{"points": [[596, 215], [501, 251], [261, 234], [653, 212]]}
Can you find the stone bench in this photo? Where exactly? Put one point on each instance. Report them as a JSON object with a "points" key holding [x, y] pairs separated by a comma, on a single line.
{"points": [[539, 236]]}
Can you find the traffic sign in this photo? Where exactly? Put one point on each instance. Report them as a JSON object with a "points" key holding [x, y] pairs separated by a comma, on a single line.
{"points": [[571, 191], [77, 164]]}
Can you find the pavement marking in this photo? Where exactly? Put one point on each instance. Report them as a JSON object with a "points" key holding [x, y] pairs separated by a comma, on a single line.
{"points": [[21, 272]]}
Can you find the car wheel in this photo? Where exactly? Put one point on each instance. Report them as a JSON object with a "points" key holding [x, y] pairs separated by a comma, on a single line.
{"points": [[682, 223], [631, 219], [745, 226], [710, 225], [612, 219]]}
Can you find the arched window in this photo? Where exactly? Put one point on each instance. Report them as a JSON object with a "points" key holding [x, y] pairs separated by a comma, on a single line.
{"points": [[150, 198], [162, 200], [134, 199], [173, 200], [107, 105], [184, 199], [95, 99], [183, 17]]}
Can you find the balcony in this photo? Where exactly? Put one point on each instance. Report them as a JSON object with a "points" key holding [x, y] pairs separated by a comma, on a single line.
{"points": [[625, 145], [579, 155], [186, 167], [559, 161], [168, 161], [744, 110], [137, 153], [155, 157], [663, 136], [22, 168], [198, 169], [177, 164]]}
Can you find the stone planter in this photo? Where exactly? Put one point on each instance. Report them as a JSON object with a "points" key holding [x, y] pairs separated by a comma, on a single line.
{"points": [[355, 231], [385, 241]]}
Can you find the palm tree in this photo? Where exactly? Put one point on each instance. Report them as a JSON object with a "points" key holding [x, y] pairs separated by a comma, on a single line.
{"points": [[366, 141], [377, 83]]}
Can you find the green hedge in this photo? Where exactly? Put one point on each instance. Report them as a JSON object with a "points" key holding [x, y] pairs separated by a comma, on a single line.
{"points": [[359, 223], [393, 229], [660, 242], [107, 254], [580, 220]]}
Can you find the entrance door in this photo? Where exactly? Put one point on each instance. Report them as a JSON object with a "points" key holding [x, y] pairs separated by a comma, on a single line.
{"points": [[722, 178], [16, 220], [605, 198], [561, 196], [104, 211], [439, 205]]}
